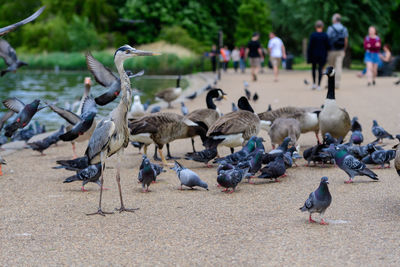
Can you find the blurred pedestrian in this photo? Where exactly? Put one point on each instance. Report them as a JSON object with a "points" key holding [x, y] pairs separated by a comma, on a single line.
{"points": [[253, 51], [338, 40], [372, 46], [317, 52], [225, 57], [235, 58], [242, 61], [276, 51], [213, 57]]}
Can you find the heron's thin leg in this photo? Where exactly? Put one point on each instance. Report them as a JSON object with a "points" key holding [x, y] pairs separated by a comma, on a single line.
{"points": [[100, 211], [118, 178]]}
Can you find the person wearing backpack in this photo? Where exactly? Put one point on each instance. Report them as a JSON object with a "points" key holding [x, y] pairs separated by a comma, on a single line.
{"points": [[338, 40]]}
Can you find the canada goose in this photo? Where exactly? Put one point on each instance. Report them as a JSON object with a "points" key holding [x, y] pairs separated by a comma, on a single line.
{"points": [[234, 128], [284, 127], [307, 117], [163, 128], [332, 118], [170, 94], [205, 117]]}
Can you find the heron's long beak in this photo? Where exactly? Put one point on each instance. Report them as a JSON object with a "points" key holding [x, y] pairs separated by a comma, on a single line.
{"points": [[145, 53]]}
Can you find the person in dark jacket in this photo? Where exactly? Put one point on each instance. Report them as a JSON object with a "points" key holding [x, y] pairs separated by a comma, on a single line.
{"points": [[317, 52]]}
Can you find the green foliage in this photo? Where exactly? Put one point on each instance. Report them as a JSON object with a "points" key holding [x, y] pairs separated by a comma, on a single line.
{"points": [[82, 34], [178, 35], [253, 17]]}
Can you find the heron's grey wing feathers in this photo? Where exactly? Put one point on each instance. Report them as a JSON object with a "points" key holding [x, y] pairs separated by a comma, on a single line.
{"points": [[102, 74], [14, 104], [100, 138], [12, 27], [69, 116]]}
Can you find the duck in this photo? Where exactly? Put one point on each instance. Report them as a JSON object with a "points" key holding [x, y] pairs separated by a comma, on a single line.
{"points": [[205, 117], [170, 94], [282, 128], [137, 108], [308, 117], [333, 119], [162, 128], [235, 128]]}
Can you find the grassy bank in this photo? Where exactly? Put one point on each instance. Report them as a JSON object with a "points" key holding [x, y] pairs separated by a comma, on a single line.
{"points": [[163, 64]]}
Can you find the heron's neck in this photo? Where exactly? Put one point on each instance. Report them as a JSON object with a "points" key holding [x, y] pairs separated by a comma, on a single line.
{"points": [[126, 97]]}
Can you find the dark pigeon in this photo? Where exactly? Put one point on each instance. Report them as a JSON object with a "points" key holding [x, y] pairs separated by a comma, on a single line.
{"points": [[155, 109], [91, 173], [202, 156], [230, 178], [192, 96], [380, 157], [274, 169], [146, 174], [44, 144], [73, 164], [318, 201], [255, 97], [9, 55], [241, 154], [379, 132]]}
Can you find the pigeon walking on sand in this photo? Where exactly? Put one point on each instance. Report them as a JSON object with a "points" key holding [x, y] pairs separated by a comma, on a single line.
{"points": [[44, 144], [231, 178], [381, 157], [356, 129], [90, 174], [318, 201], [188, 177], [202, 156], [147, 174], [274, 169], [379, 132]]}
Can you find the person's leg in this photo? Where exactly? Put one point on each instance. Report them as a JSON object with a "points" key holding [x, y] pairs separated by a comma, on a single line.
{"points": [[338, 68], [374, 72], [314, 65], [242, 65], [320, 66], [369, 72]]}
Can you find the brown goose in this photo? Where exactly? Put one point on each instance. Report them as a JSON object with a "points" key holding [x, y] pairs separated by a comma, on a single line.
{"points": [[170, 94], [205, 117], [234, 128], [333, 119], [163, 128]]}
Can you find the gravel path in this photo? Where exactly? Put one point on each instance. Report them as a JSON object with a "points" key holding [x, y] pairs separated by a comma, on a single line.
{"points": [[43, 221]]}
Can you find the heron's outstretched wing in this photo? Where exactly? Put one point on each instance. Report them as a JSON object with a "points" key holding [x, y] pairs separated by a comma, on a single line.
{"points": [[102, 74], [14, 104], [69, 116], [5, 117], [100, 138], [12, 27]]}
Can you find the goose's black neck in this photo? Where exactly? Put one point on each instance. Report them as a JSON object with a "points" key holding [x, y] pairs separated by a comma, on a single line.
{"points": [[178, 82], [244, 104], [331, 87], [209, 100]]}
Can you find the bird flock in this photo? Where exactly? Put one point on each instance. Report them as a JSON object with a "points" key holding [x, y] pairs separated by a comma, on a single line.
{"points": [[130, 122]]}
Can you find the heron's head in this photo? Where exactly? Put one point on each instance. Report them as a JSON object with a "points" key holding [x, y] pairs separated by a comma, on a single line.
{"points": [[126, 51]]}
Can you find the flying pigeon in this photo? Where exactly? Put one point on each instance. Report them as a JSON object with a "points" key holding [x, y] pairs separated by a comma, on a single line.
{"points": [[9, 28], [318, 201], [352, 166], [73, 164], [9, 55], [25, 113], [379, 132], [188, 177]]}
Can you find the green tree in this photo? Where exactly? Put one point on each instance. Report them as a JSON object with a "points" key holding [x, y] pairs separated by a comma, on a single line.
{"points": [[253, 17]]}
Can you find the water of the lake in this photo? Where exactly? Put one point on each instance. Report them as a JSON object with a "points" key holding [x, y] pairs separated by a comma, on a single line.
{"points": [[67, 87]]}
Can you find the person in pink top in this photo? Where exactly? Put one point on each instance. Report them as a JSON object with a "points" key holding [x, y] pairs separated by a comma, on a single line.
{"points": [[372, 46]]}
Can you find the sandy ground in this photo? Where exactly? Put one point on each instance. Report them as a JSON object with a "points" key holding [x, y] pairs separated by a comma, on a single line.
{"points": [[43, 221]]}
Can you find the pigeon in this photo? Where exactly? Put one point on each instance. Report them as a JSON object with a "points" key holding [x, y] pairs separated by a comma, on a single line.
{"points": [[9, 55], [44, 144], [329, 139], [202, 156], [106, 78], [224, 166], [188, 177], [352, 166], [230, 178], [379, 132], [9, 28], [356, 129], [25, 113], [269, 107], [397, 82], [317, 154], [146, 104], [81, 123], [282, 148], [73, 164], [138, 145], [192, 96], [255, 97], [89, 174], [241, 154], [184, 109], [318, 201], [248, 94], [234, 107], [254, 163], [274, 169], [147, 174], [155, 109], [361, 152], [381, 157], [306, 82]]}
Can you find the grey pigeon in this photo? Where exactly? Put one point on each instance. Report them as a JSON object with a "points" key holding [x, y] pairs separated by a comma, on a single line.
{"points": [[224, 166], [274, 169], [146, 104], [89, 174], [155, 109], [381, 157], [241, 154], [73, 164], [188, 177], [9, 55], [42, 145], [379, 132], [356, 129], [282, 148], [318, 201], [352, 166], [146, 174], [234, 107], [184, 109], [253, 163], [231, 178], [9, 28]]}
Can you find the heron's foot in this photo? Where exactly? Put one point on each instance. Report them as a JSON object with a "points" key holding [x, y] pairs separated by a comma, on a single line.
{"points": [[100, 212], [122, 208]]}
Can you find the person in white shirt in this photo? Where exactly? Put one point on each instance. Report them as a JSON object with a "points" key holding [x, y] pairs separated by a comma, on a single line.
{"points": [[235, 58], [276, 51]]}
